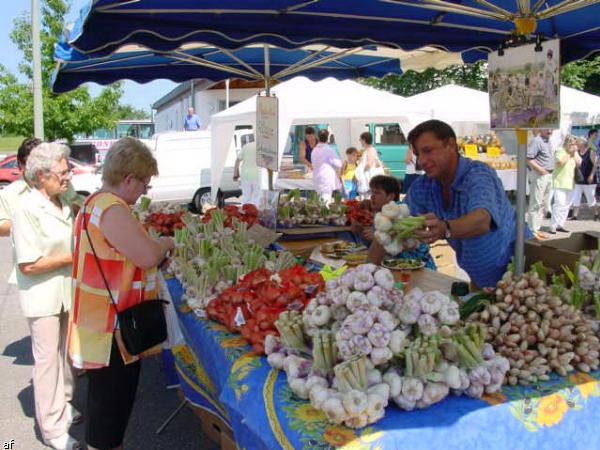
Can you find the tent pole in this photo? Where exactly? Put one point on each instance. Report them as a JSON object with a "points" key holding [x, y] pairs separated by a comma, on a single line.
{"points": [[521, 194], [268, 92]]}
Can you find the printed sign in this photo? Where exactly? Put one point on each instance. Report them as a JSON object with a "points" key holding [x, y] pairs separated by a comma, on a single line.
{"points": [[267, 152], [524, 87], [471, 151], [493, 152]]}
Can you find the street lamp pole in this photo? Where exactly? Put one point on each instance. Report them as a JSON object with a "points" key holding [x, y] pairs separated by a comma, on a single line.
{"points": [[38, 112]]}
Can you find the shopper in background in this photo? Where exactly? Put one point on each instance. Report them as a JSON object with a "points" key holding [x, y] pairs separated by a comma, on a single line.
{"points": [[369, 164], [349, 172], [592, 143], [540, 160], [588, 182], [129, 257], [326, 168], [42, 234], [249, 175], [191, 122], [567, 160], [307, 146]]}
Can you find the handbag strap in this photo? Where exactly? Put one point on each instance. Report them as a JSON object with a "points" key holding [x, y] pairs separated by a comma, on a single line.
{"points": [[85, 228]]}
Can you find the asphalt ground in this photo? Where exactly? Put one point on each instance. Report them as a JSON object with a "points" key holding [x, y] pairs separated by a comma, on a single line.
{"points": [[153, 405]]}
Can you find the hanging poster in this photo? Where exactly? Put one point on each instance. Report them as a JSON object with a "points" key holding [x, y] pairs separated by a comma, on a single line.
{"points": [[267, 154], [524, 87]]}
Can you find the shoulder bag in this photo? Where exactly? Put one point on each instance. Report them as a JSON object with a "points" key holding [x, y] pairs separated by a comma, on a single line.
{"points": [[142, 326]]}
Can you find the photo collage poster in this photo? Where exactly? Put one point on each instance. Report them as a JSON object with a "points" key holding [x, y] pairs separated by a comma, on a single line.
{"points": [[524, 87]]}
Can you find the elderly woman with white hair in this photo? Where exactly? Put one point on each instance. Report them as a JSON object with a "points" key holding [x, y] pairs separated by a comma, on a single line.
{"points": [[42, 233]]}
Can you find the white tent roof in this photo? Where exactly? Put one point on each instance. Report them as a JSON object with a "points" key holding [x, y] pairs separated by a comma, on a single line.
{"points": [[468, 110], [583, 108], [345, 105], [453, 103]]}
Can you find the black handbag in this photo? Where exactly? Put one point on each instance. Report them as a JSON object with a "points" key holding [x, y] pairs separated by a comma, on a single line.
{"points": [[142, 326]]}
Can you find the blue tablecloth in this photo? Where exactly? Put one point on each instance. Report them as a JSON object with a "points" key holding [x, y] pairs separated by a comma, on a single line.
{"points": [[219, 373]]}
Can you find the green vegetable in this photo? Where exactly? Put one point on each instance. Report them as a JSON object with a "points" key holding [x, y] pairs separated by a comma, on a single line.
{"points": [[578, 295], [540, 269], [145, 203], [474, 304]]}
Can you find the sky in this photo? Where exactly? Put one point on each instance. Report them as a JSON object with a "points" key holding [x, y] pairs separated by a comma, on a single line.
{"points": [[138, 95]]}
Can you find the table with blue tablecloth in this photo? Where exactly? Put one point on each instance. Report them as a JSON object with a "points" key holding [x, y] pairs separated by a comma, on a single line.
{"points": [[219, 373]]}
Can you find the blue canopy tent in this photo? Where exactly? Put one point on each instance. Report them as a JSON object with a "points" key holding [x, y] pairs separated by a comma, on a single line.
{"points": [[409, 24], [200, 61], [471, 27]]}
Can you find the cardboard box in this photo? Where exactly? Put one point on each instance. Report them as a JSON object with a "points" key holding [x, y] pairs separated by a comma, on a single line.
{"points": [[556, 253], [213, 426], [443, 255]]}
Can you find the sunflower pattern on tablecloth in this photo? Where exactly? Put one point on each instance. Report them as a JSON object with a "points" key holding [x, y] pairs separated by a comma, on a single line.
{"points": [[546, 405], [239, 371], [187, 361], [318, 433]]}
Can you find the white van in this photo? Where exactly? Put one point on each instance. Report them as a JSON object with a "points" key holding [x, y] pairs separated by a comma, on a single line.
{"points": [[184, 168]]}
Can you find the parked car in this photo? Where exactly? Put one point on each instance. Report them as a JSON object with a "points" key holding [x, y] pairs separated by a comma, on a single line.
{"points": [[184, 168], [9, 170]]}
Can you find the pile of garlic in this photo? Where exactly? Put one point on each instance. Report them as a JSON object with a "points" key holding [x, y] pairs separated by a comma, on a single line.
{"points": [[388, 346]]}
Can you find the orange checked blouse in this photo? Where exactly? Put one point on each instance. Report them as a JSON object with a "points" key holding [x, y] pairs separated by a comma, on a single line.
{"points": [[93, 318]]}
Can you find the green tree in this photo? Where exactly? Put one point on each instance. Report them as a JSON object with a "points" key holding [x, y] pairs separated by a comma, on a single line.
{"points": [[129, 112], [64, 114], [583, 75], [412, 83]]}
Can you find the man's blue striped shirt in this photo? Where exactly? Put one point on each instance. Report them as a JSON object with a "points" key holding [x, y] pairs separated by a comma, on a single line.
{"points": [[476, 185]]}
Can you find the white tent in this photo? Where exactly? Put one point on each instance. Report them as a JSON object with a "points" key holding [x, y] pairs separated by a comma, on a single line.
{"points": [[468, 110], [346, 106], [578, 107]]}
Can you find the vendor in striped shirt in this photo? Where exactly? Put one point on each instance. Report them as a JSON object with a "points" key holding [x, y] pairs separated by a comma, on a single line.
{"points": [[464, 202]]}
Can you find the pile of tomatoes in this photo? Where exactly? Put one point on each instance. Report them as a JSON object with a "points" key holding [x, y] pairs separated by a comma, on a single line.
{"points": [[358, 212], [164, 223], [247, 213], [252, 306]]}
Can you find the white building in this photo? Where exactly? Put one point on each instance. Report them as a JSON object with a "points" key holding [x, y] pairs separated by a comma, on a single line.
{"points": [[209, 98]]}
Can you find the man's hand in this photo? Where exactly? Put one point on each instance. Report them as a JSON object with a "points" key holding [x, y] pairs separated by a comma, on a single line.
{"points": [[435, 229], [236, 176], [590, 178], [368, 234]]}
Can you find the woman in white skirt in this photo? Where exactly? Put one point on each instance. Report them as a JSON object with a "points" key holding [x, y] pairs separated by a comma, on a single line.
{"points": [[566, 160], [587, 187]]}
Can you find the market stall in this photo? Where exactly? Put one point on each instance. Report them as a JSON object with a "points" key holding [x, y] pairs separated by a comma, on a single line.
{"points": [[243, 399], [219, 373]]}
